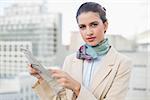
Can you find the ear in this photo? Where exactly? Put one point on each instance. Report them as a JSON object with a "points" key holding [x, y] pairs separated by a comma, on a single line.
{"points": [[105, 25]]}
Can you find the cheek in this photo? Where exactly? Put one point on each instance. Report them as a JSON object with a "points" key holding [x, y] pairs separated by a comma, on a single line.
{"points": [[99, 30], [82, 35], [99, 33]]}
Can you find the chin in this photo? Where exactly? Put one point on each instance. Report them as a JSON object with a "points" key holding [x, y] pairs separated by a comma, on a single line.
{"points": [[92, 43]]}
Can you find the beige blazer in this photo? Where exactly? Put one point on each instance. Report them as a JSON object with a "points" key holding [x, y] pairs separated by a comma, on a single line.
{"points": [[110, 82]]}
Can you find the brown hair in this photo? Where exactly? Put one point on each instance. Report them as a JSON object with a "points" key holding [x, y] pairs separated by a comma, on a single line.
{"points": [[93, 7]]}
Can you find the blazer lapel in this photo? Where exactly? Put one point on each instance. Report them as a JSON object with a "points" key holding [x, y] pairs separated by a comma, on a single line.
{"points": [[105, 68]]}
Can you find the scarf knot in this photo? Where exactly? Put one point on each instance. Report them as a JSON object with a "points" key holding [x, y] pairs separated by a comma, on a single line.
{"points": [[87, 52]]}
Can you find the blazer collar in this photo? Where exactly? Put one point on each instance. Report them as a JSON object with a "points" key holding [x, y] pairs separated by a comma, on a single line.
{"points": [[109, 59], [106, 66]]}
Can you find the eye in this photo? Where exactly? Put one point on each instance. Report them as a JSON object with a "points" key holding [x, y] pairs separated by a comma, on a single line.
{"points": [[82, 27], [94, 24]]}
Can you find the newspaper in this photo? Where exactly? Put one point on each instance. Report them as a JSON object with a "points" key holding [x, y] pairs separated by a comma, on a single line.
{"points": [[46, 75]]}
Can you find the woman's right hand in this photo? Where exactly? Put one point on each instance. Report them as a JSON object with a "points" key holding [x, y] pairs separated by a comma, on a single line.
{"points": [[34, 72]]}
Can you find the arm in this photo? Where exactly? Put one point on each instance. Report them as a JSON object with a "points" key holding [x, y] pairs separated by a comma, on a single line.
{"points": [[83, 93], [43, 90], [117, 90]]}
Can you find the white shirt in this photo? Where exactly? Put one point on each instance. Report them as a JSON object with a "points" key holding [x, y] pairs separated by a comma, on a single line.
{"points": [[89, 69]]}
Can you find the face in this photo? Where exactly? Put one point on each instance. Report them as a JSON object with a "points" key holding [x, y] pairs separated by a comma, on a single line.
{"points": [[91, 27]]}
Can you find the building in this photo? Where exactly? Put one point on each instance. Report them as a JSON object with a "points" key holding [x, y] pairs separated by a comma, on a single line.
{"points": [[75, 42], [139, 82], [12, 61], [18, 88], [28, 22], [143, 40], [121, 43], [29, 26]]}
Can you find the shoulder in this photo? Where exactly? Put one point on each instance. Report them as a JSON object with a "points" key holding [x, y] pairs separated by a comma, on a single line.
{"points": [[123, 57], [119, 60], [119, 56], [68, 61], [71, 57], [124, 62]]}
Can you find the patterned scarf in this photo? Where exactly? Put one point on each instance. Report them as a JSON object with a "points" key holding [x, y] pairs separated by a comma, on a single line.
{"points": [[87, 52]]}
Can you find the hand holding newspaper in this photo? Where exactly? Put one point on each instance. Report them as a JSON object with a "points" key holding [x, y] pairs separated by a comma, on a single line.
{"points": [[46, 75]]}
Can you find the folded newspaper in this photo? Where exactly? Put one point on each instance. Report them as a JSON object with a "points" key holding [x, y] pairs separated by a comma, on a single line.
{"points": [[43, 71]]}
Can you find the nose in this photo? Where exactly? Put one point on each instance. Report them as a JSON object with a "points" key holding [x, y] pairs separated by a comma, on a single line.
{"points": [[89, 31]]}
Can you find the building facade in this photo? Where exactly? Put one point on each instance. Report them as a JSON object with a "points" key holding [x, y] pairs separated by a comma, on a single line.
{"points": [[143, 40], [12, 61], [18, 88], [28, 22], [29, 26]]}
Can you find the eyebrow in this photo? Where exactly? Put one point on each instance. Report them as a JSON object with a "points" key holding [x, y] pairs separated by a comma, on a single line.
{"points": [[89, 23], [94, 22]]}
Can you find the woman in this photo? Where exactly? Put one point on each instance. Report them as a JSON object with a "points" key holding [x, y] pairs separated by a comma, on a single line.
{"points": [[96, 71]]}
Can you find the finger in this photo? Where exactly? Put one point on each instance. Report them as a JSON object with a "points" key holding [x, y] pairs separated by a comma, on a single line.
{"points": [[55, 71], [56, 75], [32, 71], [36, 75], [30, 65], [64, 82]]}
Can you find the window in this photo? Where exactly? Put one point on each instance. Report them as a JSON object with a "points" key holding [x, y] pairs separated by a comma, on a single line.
{"points": [[10, 48], [27, 89], [4, 47], [140, 66], [139, 89], [15, 47], [21, 90], [27, 98]]}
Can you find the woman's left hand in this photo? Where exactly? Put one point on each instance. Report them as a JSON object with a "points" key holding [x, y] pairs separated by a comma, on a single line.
{"points": [[65, 80]]}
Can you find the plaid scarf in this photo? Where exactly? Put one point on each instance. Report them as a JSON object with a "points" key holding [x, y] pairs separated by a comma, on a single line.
{"points": [[87, 52]]}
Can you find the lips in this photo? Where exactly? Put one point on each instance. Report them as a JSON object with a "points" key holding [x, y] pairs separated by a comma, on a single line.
{"points": [[90, 39]]}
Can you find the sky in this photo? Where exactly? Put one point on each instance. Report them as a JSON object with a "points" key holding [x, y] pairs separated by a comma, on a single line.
{"points": [[125, 17]]}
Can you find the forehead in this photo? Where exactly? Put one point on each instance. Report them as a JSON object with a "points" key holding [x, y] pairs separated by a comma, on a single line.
{"points": [[88, 17]]}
